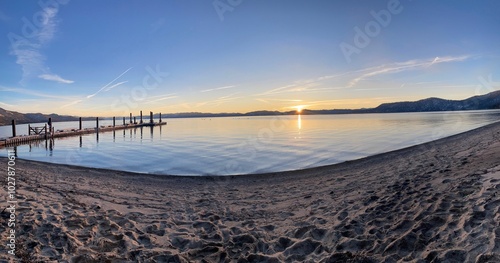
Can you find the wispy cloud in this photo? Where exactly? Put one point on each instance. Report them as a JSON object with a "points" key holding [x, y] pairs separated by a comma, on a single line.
{"points": [[220, 88], [34, 93], [436, 59], [166, 98], [163, 97], [337, 103], [279, 90], [29, 58], [49, 24], [273, 101], [303, 89], [423, 82], [115, 85], [365, 89], [306, 85], [106, 87], [6, 104], [300, 86], [71, 103], [56, 78], [27, 49], [218, 101], [110, 85], [349, 79], [313, 104], [434, 85], [403, 66]]}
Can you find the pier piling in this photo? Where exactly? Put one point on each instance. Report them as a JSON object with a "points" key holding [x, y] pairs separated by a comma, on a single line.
{"points": [[130, 117], [13, 128], [123, 121], [80, 122], [141, 116], [114, 121], [97, 128], [160, 117], [150, 117]]}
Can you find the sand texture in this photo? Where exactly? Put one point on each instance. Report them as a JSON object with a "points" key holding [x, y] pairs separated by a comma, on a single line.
{"points": [[436, 202]]}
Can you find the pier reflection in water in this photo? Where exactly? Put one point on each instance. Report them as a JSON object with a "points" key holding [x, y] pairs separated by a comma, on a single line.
{"points": [[47, 144]]}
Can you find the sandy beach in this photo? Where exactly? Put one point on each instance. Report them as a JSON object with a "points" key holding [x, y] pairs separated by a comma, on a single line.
{"points": [[435, 202]]}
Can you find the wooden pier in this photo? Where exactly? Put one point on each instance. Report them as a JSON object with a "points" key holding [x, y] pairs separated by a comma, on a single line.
{"points": [[48, 133]]}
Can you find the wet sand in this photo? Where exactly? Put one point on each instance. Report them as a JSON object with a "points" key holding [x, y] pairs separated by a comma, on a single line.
{"points": [[435, 202]]}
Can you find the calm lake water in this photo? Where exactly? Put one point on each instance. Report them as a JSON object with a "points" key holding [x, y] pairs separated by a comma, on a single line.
{"points": [[234, 145]]}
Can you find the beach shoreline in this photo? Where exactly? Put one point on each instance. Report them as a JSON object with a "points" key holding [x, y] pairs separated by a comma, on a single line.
{"points": [[434, 201]]}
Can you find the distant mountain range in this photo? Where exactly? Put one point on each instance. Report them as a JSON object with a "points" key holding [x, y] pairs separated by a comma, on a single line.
{"points": [[7, 116], [482, 102]]}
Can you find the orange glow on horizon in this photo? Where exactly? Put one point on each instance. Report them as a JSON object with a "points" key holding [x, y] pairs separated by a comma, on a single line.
{"points": [[299, 108]]}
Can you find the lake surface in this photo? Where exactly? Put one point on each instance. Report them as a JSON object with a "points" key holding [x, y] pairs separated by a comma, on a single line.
{"points": [[241, 145]]}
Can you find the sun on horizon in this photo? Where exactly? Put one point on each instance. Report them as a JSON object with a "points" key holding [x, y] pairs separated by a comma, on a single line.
{"points": [[299, 108]]}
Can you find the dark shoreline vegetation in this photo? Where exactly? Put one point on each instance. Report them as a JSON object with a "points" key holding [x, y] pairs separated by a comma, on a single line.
{"points": [[488, 101]]}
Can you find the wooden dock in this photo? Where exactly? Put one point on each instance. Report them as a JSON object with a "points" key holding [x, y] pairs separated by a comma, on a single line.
{"points": [[50, 133]]}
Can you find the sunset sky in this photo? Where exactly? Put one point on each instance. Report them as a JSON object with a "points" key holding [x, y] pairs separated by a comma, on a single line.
{"points": [[105, 58]]}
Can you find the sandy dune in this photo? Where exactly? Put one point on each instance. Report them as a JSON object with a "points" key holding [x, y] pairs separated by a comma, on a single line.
{"points": [[436, 202]]}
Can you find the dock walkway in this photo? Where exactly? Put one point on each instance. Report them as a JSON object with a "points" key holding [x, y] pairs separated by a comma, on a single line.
{"points": [[18, 140]]}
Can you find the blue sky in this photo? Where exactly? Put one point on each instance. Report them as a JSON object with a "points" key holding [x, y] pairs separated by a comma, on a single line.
{"points": [[105, 58]]}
